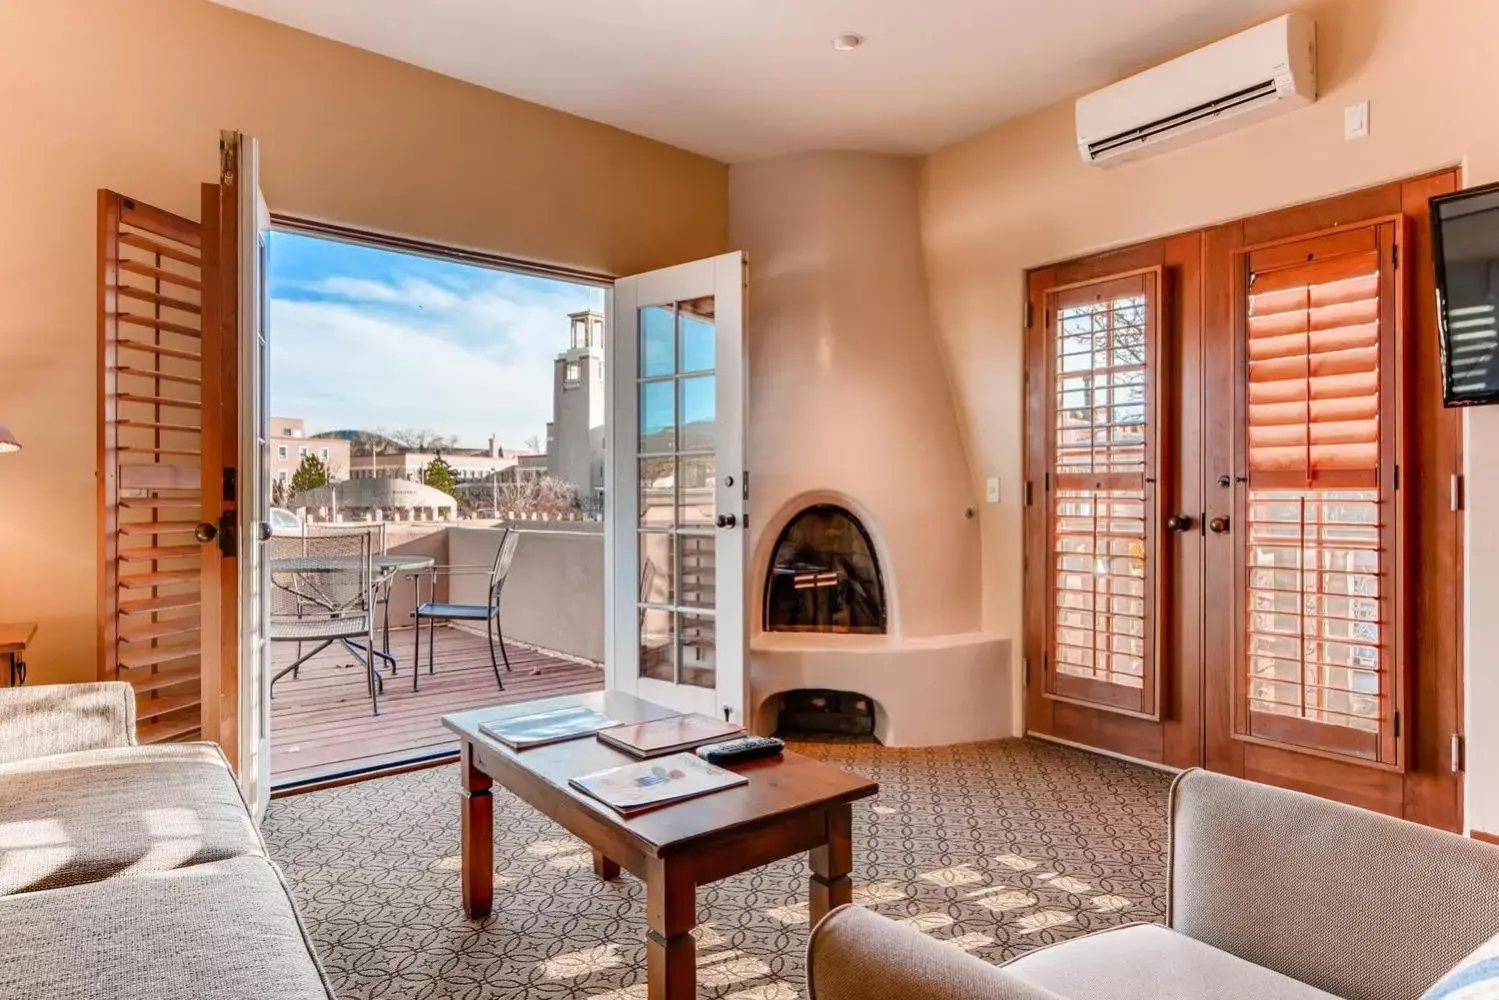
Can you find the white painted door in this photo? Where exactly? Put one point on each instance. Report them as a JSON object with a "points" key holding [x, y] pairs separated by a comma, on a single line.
{"points": [[254, 224], [676, 491]]}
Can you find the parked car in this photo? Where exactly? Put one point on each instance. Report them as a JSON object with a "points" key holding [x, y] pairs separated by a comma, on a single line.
{"points": [[284, 522]]}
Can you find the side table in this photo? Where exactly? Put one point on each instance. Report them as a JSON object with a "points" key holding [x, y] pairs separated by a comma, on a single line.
{"points": [[14, 638]]}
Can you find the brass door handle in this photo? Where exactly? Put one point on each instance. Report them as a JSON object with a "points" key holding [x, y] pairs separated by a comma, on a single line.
{"points": [[1218, 525], [1179, 522], [206, 532], [726, 520]]}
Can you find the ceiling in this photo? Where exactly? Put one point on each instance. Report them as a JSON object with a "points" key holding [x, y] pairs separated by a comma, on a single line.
{"points": [[745, 79]]}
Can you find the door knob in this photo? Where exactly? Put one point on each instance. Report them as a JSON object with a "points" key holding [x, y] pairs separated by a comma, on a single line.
{"points": [[206, 532], [1179, 522], [1218, 525], [726, 520], [265, 532]]}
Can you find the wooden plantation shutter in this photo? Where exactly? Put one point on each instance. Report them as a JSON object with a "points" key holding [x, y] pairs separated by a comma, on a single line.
{"points": [[1319, 663], [150, 440], [1101, 493]]}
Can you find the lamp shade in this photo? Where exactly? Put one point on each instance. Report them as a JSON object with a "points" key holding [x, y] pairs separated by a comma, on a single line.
{"points": [[8, 440]]}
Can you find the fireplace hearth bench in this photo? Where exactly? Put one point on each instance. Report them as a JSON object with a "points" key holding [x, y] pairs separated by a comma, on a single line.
{"points": [[133, 872], [1273, 895]]}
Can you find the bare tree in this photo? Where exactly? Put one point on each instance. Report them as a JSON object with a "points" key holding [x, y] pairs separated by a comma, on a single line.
{"points": [[546, 495], [412, 439], [533, 444]]}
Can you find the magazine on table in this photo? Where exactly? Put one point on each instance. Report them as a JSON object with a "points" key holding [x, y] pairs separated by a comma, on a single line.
{"points": [[540, 728], [634, 788], [664, 736]]}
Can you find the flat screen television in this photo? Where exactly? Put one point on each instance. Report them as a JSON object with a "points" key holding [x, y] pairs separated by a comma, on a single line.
{"points": [[1465, 249]]}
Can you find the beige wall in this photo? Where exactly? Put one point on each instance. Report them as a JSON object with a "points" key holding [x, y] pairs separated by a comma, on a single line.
{"points": [[849, 400], [1017, 196], [554, 596], [131, 96]]}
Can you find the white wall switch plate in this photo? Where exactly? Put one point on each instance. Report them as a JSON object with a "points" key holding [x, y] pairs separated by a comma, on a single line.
{"points": [[1356, 120], [991, 489]]}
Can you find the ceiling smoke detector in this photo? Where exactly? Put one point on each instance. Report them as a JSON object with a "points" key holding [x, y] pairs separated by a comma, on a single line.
{"points": [[848, 42]]}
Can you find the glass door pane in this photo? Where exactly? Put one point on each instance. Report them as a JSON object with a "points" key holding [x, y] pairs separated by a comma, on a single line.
{"points": [[677, 535]]}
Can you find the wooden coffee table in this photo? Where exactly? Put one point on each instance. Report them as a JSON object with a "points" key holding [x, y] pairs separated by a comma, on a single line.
{"points": [[791, 804]]}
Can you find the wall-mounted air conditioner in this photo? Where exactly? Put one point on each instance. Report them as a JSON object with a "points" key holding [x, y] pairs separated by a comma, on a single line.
{"points": [[1265, 71]]}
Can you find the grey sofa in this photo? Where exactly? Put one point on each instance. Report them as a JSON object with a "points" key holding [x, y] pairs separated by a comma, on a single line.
{"points": [[1274, 895], [133, 871]]}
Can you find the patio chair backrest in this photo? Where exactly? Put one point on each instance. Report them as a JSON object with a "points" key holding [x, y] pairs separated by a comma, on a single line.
{"points": [[320, 576], [503, 558], [375, 529]]}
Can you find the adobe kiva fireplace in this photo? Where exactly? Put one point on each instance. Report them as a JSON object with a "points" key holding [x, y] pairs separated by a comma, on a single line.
{"points": [[865, 576], [824, 577]]}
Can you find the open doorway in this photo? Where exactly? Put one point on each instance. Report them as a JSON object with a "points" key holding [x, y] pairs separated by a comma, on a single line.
{"points": [[449, 415]]}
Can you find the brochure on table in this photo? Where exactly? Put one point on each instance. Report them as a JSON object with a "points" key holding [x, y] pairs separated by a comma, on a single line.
{"points": [[634, 788], [540, 728], [664, 736]]}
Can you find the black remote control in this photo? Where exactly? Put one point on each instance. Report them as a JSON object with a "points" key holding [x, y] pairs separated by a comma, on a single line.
{"points": [[744, 748]]}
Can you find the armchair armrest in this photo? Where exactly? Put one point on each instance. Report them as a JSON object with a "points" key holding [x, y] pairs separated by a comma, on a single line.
{"points": [[856, 954], [1337, 897], [62, 718]]}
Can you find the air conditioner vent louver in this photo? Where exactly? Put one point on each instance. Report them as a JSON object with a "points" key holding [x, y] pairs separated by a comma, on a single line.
{"points": [[1260, 93], [1265, 71]]}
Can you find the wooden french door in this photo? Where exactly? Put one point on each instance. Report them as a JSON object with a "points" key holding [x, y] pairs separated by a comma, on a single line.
{"points": [[675, 523], [1333, 490], [1257, 567], [1113, 429], [177, 513]]}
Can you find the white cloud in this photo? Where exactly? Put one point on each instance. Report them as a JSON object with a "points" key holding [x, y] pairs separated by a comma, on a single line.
{"points": [[467, 353], [413, 293], [338, 367]]}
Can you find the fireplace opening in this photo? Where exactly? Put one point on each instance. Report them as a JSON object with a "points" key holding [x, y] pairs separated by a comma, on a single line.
{"points": [[825, 713], [824, 577]]}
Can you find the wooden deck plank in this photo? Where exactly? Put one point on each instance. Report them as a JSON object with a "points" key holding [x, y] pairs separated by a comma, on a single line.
{"points": [[321, 721]]}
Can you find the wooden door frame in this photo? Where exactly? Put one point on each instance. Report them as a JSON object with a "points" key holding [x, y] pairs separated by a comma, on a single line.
{"points": [[1431, 450]]}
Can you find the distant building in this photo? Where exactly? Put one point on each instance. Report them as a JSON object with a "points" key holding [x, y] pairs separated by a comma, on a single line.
{"points": [[470, 465], [290, 444], [575, 435]]}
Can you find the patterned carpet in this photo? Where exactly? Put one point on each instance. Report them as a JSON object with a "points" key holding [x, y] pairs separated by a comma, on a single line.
{"points": [[996, 848]]}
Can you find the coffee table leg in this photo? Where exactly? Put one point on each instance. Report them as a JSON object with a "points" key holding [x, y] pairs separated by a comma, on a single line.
{"points": [[671, 914], [478, 838], [603, 867], [830, 883]]}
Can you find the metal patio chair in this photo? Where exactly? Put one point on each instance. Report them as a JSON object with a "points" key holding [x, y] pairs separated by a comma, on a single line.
{"points": [[383, 582], [433, 611], [322, 592]]}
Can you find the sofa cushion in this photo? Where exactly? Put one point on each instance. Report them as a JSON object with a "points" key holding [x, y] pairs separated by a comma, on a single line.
{"points": [[1149, 962], [97, 814], [225, 930]]}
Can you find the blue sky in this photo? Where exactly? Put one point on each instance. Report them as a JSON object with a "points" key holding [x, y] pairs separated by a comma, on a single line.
{"points": [[377, 340]]}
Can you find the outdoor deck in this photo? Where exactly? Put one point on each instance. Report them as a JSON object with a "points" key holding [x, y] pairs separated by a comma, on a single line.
{"points": [[321, 721]]}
